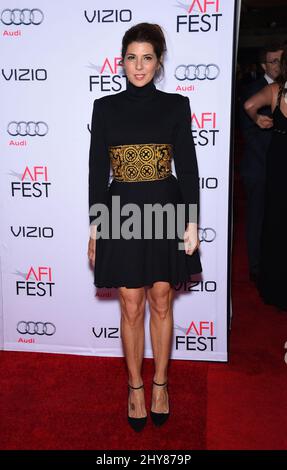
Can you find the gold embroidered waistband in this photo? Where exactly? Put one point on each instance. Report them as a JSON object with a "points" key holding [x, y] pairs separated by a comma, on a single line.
{"points": [[141, 162]]}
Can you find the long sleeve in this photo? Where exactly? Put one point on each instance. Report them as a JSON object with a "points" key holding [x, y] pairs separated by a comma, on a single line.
{"points": [[185, 161], [99, 162]]}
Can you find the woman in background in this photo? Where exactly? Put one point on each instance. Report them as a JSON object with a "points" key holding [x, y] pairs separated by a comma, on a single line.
{"points": [[273, 257]]}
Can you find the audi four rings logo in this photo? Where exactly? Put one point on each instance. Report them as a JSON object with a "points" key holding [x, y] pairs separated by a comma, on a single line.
{"points": [[36, 328], [30, 128], [197, 72], [206, 234], [24, 16]]}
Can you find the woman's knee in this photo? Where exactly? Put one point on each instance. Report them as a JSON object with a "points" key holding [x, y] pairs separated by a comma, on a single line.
{"points": [[132, 304], [160, 298]]}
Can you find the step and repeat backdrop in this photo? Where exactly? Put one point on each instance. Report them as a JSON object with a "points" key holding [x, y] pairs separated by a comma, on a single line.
{"points": [[56, 58]]}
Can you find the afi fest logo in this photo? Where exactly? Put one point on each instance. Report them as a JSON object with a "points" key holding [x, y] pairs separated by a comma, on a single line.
{"points": [[108, 76], [201, 16], [38, 281], [36, 184], [204, 128], [199, 336]]}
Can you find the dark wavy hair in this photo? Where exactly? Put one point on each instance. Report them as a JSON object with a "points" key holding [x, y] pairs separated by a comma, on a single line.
{"points": [[282, 79], [146, 32]]}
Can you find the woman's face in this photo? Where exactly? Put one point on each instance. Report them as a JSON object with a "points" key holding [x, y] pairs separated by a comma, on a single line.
{"points": [[140, 63]]}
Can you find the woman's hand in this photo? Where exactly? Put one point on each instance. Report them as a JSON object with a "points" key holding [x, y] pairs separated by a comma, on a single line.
{"points": [[92, 252], [264, 97], [264, 122], [191, 240]]}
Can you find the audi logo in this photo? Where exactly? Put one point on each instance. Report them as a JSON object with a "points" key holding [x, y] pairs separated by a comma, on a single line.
{"points": [[197, 72], [206, 234], [25, 16], [30, 128], [36, 328]]}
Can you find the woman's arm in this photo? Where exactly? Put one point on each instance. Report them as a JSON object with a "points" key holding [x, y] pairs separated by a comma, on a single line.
{"points": [[99, 164], [99, 172], [263, 98], [186, 168]]}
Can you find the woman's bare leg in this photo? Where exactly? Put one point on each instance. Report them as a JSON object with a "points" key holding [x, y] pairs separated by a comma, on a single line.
{"points": [[160, 297], [132, 303]]}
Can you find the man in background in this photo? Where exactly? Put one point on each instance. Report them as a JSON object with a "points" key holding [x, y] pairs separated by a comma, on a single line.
{"points": [[253, 163]]}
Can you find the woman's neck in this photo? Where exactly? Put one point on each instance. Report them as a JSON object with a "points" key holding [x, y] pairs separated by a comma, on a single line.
{"points": [[139, 92]]}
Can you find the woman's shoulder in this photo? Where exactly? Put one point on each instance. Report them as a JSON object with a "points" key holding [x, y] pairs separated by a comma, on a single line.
{"points": [[104, 100], [176, 97], [177, 100], [274, 87]]}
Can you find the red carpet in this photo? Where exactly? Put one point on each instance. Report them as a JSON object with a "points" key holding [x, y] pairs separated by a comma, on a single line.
{"points": [[51, 401]]}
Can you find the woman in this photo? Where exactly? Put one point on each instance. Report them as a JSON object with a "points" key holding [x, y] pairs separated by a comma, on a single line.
{"points": [[137, 130], [273, 257]]}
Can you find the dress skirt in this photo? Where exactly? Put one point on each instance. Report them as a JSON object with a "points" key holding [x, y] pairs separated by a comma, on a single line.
{"points": [[273, 253], [139, 262]]}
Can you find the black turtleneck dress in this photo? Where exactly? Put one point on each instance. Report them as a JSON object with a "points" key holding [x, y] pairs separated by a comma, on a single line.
{"points": [[142, 115]]}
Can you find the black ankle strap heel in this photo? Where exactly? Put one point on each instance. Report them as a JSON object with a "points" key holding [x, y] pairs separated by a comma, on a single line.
{"points": [[159, 418], [136, 388], [137, 423], [159, 385]]}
